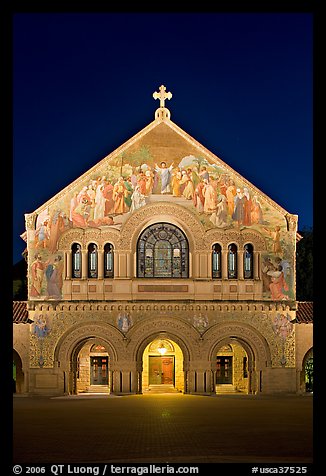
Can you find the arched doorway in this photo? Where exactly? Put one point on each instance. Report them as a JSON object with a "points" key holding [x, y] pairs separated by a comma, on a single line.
{"points": [[162, 367], [308, 371], [250, 351], [231, 372], [18, 374], [74, 351], [91, 361]]}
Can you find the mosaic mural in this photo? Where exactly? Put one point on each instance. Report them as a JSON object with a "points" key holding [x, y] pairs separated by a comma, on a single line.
{"points": [[112, 191]]}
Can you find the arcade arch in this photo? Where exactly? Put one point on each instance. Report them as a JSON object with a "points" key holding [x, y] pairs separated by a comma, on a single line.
{"points": [[18, 374], [162, 366], [87, 357], [162, 371], [307, 372], [246, 353], [231, 373]]}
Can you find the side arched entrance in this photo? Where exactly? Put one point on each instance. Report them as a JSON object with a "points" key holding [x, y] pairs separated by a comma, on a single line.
{"points": [[238, 355], [88, 359], [307, 373], [18, 374]]}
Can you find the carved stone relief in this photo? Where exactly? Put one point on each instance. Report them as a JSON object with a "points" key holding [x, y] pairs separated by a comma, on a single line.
{"points": [[197, 328]]}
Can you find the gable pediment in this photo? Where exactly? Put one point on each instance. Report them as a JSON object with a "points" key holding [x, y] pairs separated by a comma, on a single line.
{"points": [[138, 161]]}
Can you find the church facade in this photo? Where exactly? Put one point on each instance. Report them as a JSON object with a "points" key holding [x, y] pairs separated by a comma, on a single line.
{"points": [[161, 269]]}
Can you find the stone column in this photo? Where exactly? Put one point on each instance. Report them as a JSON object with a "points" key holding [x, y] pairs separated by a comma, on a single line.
{"points": [[253, 381], [133, 381], [208, 381], [128, 271], [214, 381], [125, 381], [111, 381], [195, 270], [256, 264], [116, 269], [139, 377], [203, 271], [100, 264], [84, 264], [116, 382], [200, 386], [240, 264], [191, 381], [68, 265], [225, 264]]}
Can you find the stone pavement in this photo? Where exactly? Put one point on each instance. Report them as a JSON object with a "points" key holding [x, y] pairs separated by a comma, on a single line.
{"points": [[167, 428]]}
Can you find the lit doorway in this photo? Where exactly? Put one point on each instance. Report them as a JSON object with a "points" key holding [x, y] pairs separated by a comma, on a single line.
{"points": [[162, 367], [93, 368], [161, 370], [231, 369], [99, 370]]}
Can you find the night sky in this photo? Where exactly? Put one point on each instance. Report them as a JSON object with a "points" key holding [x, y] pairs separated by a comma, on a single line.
{"points": [[83, 85]]}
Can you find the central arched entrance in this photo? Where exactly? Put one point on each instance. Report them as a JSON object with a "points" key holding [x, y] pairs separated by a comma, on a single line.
{"points": [[162, 367]]}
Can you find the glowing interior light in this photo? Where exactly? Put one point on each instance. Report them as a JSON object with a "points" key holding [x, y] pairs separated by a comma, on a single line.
{"points": [[162, 349]]}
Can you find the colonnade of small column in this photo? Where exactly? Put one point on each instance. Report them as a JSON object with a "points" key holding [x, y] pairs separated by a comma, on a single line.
{"points": [[125, 265]]}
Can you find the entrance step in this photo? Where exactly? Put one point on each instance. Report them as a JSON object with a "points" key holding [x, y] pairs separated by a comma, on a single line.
{"points": [[97, 389], [161, 389], [226, 388]]}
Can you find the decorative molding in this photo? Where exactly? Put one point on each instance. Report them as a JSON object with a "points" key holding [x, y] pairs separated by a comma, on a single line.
{"points": [[177, 215], [241, 332], [240, 238], [166, 306], [30, 220], [104, 331], [84, 236]]}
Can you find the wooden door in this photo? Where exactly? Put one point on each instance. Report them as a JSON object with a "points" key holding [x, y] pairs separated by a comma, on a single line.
{"points": [[161, 370], [223, 370], [167, 370], [99, 370]]}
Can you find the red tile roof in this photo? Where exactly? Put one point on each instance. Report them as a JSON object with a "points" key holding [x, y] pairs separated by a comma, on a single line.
{"points": [[305, 312], [20, 313]]}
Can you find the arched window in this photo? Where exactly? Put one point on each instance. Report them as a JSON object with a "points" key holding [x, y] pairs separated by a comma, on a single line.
{"points": [[216, 261], [92, 260], [248, 261], [232, 261], [108, 261], [76, 260], [162, 252]]}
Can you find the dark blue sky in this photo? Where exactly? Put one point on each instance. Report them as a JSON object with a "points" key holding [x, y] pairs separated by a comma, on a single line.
{"points": [[241, 85]]}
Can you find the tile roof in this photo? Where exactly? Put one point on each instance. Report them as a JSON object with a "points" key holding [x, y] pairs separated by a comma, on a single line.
{"points": [[305, 312], [20, 313]]}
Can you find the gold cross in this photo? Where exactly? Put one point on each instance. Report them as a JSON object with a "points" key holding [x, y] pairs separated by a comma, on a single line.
{"points": [[162, 95]]}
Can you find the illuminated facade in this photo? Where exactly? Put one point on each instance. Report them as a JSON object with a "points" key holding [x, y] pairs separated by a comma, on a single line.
{"points": [[161, 269]]}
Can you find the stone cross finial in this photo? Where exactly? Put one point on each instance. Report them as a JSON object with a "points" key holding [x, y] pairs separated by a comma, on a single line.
{"points": [[162, 95]]}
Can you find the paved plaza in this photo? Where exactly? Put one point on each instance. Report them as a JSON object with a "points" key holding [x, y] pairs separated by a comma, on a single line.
{"points": [[167, 428]]}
